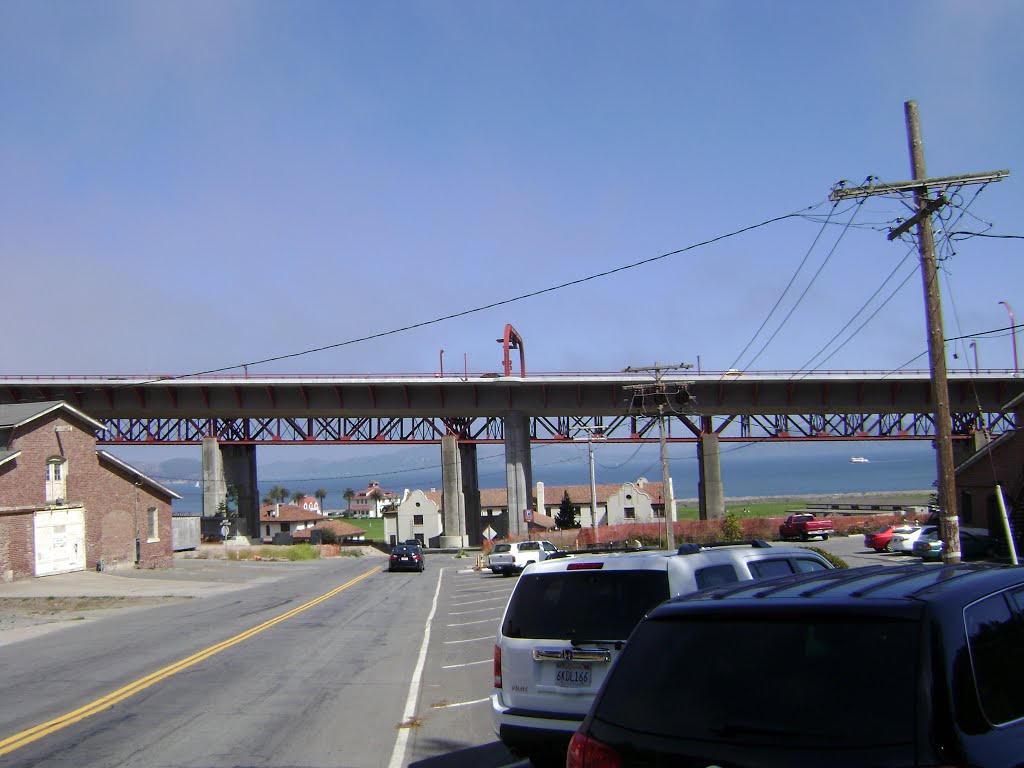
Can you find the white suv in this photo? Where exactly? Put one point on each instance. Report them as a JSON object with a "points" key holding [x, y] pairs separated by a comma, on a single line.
{"points": [[512, 557], [568, 618]]}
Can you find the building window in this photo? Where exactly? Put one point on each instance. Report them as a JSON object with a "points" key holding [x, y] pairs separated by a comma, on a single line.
{"points": [[286, 527], [417, 519], [659, 512], [154, 524], [629, 512], [56, 480]]}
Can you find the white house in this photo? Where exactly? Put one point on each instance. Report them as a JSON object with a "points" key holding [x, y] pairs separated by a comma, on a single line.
{"points": [[372, 501], [285, 518], [417, 516]]}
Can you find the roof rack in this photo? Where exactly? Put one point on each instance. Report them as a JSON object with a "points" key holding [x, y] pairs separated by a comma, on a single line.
{"points": [[692, 548]]}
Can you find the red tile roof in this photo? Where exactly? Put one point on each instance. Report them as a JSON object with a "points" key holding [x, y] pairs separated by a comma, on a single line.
{"points": [[287, 513]]}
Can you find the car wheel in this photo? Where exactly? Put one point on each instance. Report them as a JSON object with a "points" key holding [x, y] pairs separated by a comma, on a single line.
{"points": [[824, 537], [804, 537]]}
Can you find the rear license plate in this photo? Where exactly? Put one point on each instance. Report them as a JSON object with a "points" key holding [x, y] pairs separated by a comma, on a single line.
{"points": [[572, 674]]}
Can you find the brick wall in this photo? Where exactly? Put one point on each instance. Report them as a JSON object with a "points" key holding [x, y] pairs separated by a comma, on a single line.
{"points": [[17, 549], [116, 508]]}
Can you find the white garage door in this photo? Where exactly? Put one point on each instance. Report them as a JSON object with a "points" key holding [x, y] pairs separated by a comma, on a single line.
{"points": [[60, 541]]}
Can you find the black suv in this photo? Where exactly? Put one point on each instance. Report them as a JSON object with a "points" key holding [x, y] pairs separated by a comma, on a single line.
{"points": [[879, 666]]}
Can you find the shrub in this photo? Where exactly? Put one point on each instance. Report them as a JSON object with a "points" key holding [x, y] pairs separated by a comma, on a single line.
{"points": [[732, 528], [838, 562]]}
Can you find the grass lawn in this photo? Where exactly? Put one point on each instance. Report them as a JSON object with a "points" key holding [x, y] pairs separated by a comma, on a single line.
{"points": [[374, 526], [765, 509]]}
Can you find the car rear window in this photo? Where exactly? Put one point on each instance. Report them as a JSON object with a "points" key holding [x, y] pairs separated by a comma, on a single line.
{"points": [[583, 605], [502, 548], [766, 682]]}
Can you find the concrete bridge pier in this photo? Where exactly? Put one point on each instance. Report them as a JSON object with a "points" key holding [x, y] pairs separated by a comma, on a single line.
{"points": [[710, 490], [471, 493], [231, 465], [454, 535], [518, 472]]}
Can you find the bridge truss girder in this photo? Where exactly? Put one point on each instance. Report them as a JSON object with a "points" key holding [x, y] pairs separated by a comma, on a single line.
{"points": [[680, 428]]}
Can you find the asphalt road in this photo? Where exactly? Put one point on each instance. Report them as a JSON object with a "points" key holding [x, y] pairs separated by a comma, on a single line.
{"points": [[327, 663], [383, 670]]}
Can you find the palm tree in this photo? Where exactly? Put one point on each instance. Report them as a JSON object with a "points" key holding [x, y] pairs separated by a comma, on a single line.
{"points": [[320, 494], [298, 496], [348, 494], [277, 494], [376, 494]]}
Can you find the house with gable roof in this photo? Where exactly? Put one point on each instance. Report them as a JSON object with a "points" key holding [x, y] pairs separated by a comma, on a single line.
{"points": [[66, 505]]}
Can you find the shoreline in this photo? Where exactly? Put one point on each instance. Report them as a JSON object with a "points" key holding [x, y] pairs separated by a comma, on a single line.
{"points": [[862, 497]]}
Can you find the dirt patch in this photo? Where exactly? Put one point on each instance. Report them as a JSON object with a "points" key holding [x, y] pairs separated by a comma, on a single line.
{"points": [[18, 612]]}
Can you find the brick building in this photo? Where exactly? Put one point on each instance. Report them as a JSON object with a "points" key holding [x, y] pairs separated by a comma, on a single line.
{"points": [[67, 506]]}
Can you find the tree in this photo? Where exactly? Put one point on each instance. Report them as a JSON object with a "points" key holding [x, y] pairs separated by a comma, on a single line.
{"points": [[377, 495], [320, 494], [348, 494], [228, 509], [568, 514], [298, 496], [277, 494]]}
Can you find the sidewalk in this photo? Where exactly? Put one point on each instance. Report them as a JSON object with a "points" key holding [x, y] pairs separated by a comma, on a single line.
{"points": [[187, 578]]}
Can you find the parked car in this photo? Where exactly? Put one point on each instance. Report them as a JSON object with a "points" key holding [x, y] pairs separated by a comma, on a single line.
{"points": [[804, 526], [406, 557], [904, 542], [758, 674], [568, 619], [881, 540], [511, 557], [973, 545]]}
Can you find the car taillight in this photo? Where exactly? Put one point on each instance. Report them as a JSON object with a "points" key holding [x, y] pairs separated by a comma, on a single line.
{"points": [[587, 752], [497, 666], [584, 566]]}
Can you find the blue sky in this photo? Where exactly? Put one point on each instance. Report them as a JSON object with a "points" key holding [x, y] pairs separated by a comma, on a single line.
{"points": [[197, 185]]}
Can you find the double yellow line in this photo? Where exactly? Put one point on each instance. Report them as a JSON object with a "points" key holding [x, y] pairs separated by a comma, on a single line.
{"points": [[19, 740]]}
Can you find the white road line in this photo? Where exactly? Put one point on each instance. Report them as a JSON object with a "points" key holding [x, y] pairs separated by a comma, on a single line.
{"points": [[467, 623], [470, 640], [468, 664], [487, 600], [398, 754], [475, 610], [460, 704]]}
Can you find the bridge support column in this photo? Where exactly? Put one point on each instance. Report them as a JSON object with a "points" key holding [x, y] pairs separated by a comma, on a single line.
{"points": [[710, 490], [471, 493], [518, 472], [240, 471], [454, 535], [231, 465], [964, 449], [214, 486]]}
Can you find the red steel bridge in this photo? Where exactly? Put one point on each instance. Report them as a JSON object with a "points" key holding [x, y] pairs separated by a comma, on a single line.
{"points": [[424, 408]]}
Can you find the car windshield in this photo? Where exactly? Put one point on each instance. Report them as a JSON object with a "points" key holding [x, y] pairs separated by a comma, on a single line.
{"points": [[583, 605], [765, 682]]}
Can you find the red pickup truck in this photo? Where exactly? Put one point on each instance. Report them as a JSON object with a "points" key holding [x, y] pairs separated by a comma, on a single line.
{"points": [[804, 526]]}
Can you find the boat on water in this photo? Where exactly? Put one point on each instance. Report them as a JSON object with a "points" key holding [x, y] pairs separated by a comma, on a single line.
{"points": [[858, 460]]}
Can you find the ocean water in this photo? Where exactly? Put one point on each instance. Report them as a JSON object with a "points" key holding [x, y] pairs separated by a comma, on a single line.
{"points": [[759, 470]]}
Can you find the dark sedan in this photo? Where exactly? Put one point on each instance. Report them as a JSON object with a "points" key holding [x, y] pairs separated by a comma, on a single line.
{"points": [[406, 557]]}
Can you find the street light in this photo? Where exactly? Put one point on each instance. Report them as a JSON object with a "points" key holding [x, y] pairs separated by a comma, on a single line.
{"points": [[1013, 333], [974, 346]]}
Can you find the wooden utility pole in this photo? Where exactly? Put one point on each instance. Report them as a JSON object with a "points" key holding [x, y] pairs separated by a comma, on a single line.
{"points": [[949, 522], [661, 393]]}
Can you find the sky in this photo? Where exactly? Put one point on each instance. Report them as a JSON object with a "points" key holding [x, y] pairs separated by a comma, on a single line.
{"points": [[200, 186]]}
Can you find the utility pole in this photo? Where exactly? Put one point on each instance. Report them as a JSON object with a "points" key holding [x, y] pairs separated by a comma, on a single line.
{"points": [[662, 394], [593, 482], [949, 522]]}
